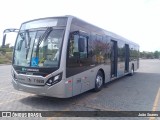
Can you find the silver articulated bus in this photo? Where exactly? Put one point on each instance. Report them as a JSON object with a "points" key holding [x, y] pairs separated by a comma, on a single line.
{"points": [[65, 56]]}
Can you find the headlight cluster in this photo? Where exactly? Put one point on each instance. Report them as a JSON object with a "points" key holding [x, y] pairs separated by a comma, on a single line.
{"points": [[53, 80]]}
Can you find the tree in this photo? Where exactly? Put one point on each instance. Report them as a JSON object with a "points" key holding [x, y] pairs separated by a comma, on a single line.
{"points": [[150, 55], [156, 54], [7, 45]]}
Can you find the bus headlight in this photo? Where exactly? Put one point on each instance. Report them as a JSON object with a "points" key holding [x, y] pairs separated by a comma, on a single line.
{"points": [[53, 80]]}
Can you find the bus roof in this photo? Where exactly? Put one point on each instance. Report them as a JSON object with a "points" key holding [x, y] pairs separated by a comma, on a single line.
{"points": [[111, 34], [108, 33]]}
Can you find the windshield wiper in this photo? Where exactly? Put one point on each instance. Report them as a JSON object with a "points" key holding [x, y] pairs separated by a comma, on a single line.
{"points": [[19, 45], [43, 37], [23, 36], [27, 43]]}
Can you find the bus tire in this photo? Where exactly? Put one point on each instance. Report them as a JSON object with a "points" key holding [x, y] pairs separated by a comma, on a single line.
{"points": [[99, 81], [132, 71]]}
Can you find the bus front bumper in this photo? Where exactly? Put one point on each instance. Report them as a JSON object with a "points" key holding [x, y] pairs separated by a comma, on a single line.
{"points": [[58, 90]]}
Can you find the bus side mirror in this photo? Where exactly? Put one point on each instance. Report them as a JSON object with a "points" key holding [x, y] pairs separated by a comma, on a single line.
{"points": [[4, 40], [81, 45], [4, 34]]}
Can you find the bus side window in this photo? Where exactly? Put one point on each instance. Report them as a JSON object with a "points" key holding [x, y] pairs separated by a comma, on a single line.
{"points": [[78, 46], [78, 50], [82, 46], [73, 46]]}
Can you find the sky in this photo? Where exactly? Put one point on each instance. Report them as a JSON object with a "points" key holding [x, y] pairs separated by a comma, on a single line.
{"points": [[136, 20]]}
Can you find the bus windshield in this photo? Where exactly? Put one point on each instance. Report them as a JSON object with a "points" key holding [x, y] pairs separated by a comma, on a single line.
{"points": [[38, 47]]}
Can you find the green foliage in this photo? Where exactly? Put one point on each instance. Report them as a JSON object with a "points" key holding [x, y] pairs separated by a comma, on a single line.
{"points": [[4, 60], [2, 50], [157, 54], [150, 55], [6, 55]]}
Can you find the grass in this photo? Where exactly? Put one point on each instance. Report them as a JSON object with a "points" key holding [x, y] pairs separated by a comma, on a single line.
{"points": [[6, 58]]}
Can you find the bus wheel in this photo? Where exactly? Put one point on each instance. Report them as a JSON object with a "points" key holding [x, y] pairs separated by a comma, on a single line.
{"points": [[132, 71], [99, 81]]}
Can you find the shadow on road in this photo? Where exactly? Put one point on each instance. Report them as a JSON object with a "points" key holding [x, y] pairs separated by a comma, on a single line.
{"points": [[126, 83]]}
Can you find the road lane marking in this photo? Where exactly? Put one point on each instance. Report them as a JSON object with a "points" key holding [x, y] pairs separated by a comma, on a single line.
{"points": [[155, 105]]}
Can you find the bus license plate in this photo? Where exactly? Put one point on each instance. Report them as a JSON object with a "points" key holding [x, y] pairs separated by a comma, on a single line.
{"points": [[39, 81]]}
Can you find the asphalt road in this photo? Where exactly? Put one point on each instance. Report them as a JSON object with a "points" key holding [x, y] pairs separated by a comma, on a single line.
{"points": [[140, 92]]}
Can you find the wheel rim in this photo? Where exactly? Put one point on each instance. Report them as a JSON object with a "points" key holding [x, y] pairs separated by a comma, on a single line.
{"points": [[132, 71], [99, 81]]}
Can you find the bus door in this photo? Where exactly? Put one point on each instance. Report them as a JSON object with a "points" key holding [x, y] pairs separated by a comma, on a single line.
{"points": [[126, 58], [113, 58], [78, 62]]}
